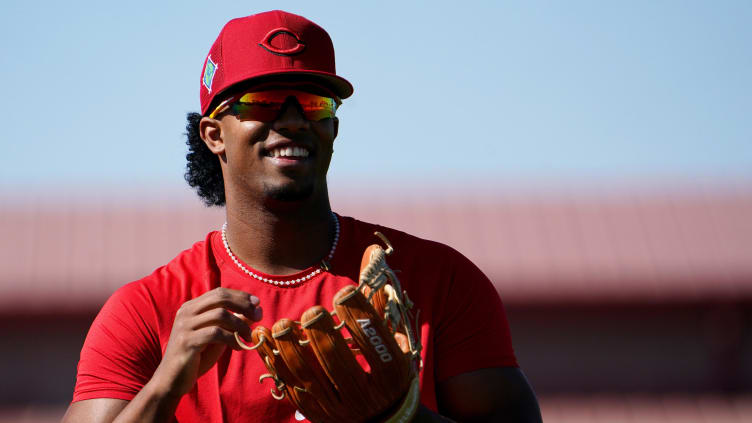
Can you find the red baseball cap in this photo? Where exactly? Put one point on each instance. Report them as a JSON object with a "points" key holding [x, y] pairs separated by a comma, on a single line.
{"points": [[267, 44]]}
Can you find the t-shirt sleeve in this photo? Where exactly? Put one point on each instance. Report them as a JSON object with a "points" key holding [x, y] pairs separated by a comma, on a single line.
{"points": [[473, 331], [122, 349]]}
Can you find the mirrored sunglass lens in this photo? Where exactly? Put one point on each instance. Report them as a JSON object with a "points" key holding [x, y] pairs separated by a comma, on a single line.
{"points": [[264, 112], [316, 107], [265, 106]]}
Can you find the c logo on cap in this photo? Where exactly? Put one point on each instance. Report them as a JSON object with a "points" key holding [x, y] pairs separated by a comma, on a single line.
{"points": [[266, 42]]}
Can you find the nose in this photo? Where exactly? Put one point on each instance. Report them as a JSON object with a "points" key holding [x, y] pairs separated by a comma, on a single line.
{"points": [[291, 119]]}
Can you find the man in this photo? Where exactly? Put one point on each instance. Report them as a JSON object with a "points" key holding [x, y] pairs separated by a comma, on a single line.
{"points": [[164, 347]]}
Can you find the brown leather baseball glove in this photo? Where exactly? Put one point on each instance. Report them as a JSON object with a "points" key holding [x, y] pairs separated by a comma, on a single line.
{"points": [[315, 366]]}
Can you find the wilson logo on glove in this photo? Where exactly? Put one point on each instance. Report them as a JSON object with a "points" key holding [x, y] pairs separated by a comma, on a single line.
{"points": [[314, 365]]}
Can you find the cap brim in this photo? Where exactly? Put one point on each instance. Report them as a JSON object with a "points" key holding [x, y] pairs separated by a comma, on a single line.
{"points": [[340, 86]]}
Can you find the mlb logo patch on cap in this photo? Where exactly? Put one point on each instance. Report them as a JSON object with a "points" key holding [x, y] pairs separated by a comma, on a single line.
{"points": [[209, 71]]}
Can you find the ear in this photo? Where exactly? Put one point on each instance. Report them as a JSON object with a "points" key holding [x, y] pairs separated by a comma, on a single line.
{"points": [[335, 122], [211, 133]]}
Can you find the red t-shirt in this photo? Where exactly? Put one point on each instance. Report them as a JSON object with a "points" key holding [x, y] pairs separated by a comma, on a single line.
{"points": [[463, 326]]}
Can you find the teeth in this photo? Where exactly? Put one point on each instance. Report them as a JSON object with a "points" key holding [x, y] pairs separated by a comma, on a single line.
{"points": [[289, 152]]}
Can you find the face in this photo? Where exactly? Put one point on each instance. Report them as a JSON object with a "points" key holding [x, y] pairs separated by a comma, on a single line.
{"points": [[285, 160]]}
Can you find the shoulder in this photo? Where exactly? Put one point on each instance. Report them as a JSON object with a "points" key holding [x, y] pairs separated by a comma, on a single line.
{"points": [[363, 233], [415, 258], [192, 271]]}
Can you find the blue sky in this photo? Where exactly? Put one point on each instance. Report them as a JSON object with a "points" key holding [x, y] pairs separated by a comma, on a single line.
{"points": [[95, 95]]}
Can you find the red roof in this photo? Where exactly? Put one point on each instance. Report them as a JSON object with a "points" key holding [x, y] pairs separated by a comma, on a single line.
{"points": [[646, 408], [628, 246]]}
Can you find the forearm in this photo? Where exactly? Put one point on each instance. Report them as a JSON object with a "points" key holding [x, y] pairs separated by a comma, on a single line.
{"points": [[425, 415], [154, 403], [525, 413], [493, 394]]}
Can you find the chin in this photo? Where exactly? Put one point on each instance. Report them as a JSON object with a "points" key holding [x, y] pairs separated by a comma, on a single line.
{"points": [[288, 193]]}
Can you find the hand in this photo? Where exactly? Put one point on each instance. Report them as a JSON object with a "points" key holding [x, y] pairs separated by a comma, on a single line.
{"points": [[203, 328]]}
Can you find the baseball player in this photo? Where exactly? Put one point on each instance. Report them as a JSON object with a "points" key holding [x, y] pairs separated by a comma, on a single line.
{"points": [[169, 347]]}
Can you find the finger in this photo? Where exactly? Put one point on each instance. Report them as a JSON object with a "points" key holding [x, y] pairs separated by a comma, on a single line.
{"points": [[223, 318], [231, 299], [213, 335], [258, 314]]}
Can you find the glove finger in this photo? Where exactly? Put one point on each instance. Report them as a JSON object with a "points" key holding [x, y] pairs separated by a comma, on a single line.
{"points": [[372, 271], [338, 362], [378, 300], [262, 337], [403, 342], [390, 367], [317, 396], [371, 266], [306, 403], [367, 256], [309, 407]]}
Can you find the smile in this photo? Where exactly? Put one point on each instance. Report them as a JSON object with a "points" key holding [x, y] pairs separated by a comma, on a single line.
{"points": [[290, 152]]}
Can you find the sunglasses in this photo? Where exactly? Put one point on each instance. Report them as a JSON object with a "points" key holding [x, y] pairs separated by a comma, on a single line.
{"points": [[265, 106]]}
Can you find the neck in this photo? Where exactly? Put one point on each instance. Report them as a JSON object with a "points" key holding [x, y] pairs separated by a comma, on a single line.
{"points": [[280, 240]]}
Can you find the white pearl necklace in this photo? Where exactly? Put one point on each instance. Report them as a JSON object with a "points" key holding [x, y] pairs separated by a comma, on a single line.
{"points": [[324, 265]]}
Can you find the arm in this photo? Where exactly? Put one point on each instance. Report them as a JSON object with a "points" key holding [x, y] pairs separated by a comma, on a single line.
{"points": [[94, 410], [202, 330], [500, 394], [477, 375]]}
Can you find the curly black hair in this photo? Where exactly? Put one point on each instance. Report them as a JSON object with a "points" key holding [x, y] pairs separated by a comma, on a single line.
{"points": [[203, 171]]}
